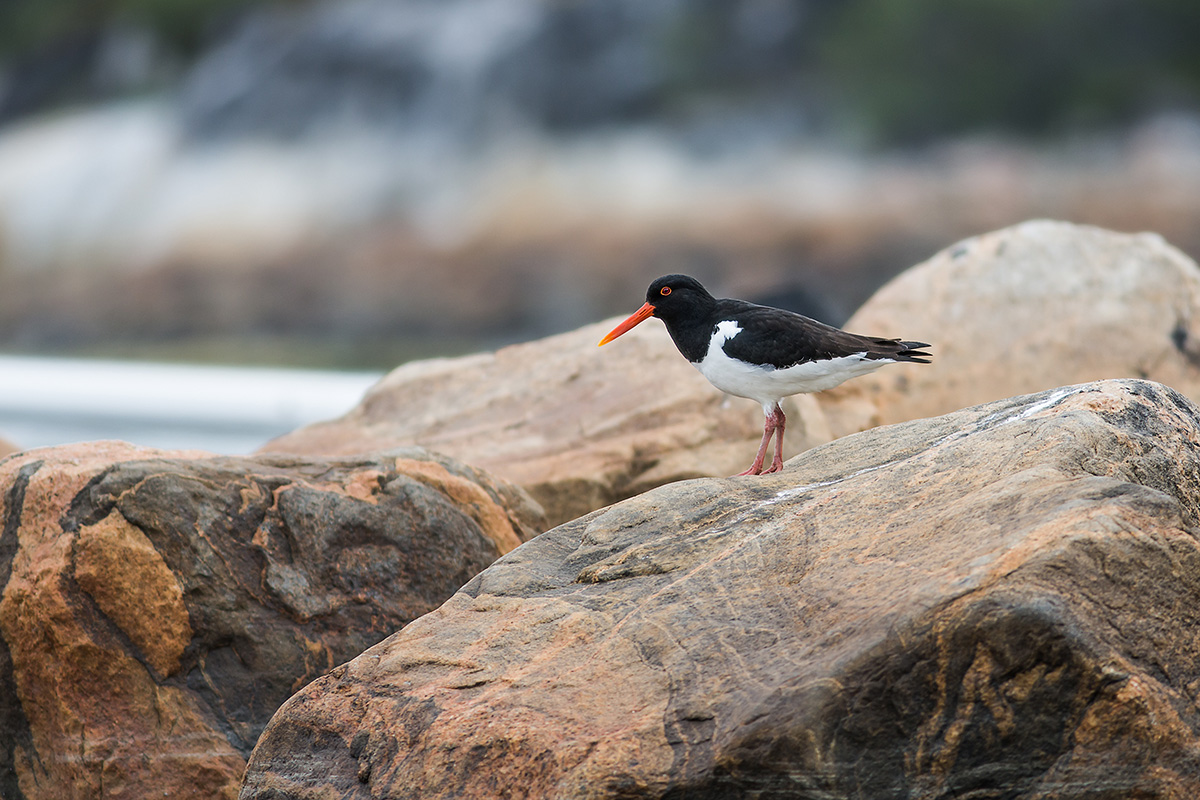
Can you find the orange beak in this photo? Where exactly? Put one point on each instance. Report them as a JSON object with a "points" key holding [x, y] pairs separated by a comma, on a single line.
{"points": [[642, 314]]}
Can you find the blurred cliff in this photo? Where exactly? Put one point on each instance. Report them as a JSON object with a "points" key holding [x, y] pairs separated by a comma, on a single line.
{"points": [[358, 183]]}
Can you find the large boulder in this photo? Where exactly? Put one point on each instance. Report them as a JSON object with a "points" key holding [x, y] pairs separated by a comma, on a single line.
{"points": [[1027, 308], [576, 425], [999, 602], [157, 607]]}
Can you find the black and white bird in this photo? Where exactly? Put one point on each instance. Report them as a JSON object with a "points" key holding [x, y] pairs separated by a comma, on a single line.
{"points": [[762, 353]]}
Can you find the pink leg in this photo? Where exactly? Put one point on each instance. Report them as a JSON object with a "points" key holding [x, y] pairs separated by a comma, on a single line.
{"points": [[780, 424], [773, 423], [756, 467]]}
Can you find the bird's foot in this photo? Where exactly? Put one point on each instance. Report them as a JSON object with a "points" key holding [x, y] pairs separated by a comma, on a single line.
{"points": [[757, 468]]}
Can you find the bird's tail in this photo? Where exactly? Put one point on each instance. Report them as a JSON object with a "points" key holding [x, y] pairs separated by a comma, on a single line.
{"points": [[911, 351], [897, 350]]}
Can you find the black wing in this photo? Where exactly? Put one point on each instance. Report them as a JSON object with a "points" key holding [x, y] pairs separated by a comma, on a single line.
{"points": [[782, 339]]}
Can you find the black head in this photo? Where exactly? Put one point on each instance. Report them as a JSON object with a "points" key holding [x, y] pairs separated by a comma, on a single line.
{"points": [[677, 297], [671, 298]]}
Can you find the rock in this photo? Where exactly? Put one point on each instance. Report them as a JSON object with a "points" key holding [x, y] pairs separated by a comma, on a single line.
{"points": [[469, 71], [998, 602], [1028, 308], [157, 607], [7, 448], [577, 426]]}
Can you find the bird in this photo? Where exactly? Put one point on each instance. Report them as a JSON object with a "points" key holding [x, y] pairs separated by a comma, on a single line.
{"points": [[762, 353]]}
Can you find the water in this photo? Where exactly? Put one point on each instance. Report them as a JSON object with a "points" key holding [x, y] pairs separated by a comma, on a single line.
{"points": [[232, 410]]}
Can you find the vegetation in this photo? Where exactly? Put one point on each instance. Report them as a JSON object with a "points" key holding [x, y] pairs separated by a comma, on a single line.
{"points": [[910, 69], [28, 26]]}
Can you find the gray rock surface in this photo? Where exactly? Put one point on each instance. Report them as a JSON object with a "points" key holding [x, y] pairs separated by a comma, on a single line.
{"points": [[467, 71]]}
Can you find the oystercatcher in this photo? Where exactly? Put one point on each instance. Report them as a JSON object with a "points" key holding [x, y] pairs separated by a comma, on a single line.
{"points": [[762, 353]]}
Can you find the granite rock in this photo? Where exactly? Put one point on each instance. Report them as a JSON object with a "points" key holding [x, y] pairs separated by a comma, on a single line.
{"points": [[157, 607], [576, 425], [998, 602], [1019, 310], [1028, 308]]}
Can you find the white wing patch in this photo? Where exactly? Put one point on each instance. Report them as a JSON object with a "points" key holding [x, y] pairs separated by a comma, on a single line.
{"points": [[726, 330]]}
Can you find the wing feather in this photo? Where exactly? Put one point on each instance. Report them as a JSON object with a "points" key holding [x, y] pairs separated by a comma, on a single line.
{"points": [[783, 339]]}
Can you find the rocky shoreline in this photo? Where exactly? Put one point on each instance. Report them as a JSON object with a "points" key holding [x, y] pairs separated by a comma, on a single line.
{"points": [[523, 573], [994, 602]]}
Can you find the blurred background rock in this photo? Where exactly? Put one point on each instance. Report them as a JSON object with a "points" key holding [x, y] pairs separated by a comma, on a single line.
{"points": [[353, 184]]}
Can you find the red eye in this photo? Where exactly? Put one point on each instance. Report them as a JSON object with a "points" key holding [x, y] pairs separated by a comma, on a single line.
{"points": [[664, 291]]}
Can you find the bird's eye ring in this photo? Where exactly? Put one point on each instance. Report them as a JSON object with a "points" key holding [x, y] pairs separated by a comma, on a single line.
{"points": [[664, 291]]}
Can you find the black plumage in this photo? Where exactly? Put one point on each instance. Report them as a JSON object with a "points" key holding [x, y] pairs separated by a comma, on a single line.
{"points": [[760, 352]]}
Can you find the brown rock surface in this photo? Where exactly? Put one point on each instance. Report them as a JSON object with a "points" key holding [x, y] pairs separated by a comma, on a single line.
{"points": [[576, 425], [1000, 602], [7, 448], [157, 607], [1019, 310], [1028, 308]]}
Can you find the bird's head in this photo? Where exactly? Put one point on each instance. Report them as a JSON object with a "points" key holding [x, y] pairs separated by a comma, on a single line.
{"points": [[668, 298]]}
